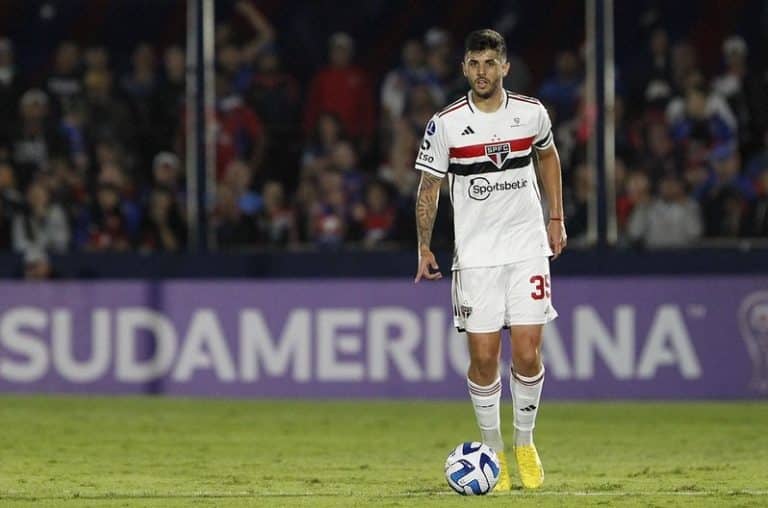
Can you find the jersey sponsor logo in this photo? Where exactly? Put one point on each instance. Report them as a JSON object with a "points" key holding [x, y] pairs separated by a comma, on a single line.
{"points": [[497, 153], [431, 128], [481, 189]]}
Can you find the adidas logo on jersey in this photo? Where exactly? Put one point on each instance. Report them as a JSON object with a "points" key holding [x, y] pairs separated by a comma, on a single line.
{"points": [[467, 130]]}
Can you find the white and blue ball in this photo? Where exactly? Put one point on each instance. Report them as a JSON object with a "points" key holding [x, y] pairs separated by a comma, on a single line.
{"points": [[472, 469]]}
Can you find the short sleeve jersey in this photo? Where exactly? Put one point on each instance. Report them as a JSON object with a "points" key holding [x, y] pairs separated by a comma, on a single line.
{"points": [[487, 158]]}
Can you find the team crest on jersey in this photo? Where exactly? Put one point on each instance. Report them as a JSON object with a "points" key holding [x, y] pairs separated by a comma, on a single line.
{"points": [[498, 153]]}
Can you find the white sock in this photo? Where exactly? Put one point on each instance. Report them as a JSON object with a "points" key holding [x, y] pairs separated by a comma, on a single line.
{"points": [[526, 392], [487, 401]]}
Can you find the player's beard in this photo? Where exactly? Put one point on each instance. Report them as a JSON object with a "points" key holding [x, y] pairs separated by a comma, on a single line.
{"points": [[489, 90]]}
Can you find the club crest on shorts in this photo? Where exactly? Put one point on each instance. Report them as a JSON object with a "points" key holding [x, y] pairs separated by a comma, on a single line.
{"points": [[497, 153], [465, 311]]}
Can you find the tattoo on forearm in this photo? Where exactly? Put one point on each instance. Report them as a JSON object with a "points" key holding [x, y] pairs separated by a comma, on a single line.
{"points": [[426, 208]]}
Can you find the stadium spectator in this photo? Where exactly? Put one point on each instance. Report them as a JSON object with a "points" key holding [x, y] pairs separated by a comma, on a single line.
{"points": [[328, 214], [685, 62], [561, 91], [113, 175], [35, 139], [73, 130], [169, 98], [375, 217], [705, 119], [319, 148], [233, 228], [397, 171], [239, 132], [635, 192], [441, 62], [277, 220], [672, 219], [64, 83], [660, 156], [230, 64], [96, 58], [43, 226], [344, 89], [240, 178], [166, 173], [107, 118], [103, 226], [67, 186], [275, 96], [726, 194], [399, 83], [236, 52], [345, 162], [139, 87], [576, 198], [653, 75], [162, 228], [419, 107]]}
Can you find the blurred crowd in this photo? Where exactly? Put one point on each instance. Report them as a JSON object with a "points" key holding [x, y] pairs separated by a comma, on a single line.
{"points": [[92, 159]]}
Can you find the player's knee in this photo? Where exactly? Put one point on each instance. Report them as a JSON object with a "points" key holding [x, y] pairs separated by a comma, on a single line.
{"points": [[527, 361], [484, 368]]}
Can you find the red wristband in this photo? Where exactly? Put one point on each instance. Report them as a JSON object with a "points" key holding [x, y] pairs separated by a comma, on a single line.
{"points": [[556, 218]]}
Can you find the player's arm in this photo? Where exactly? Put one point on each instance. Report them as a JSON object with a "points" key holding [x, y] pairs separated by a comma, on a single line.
{"points": [[552, 181], [426, 211]]}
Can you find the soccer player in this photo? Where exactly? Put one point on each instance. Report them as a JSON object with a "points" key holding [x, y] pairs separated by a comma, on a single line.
{"points": [[484, 145]]}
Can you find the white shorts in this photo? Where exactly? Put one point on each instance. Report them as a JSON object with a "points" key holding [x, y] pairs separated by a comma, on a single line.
{"points": [[489, 299]]}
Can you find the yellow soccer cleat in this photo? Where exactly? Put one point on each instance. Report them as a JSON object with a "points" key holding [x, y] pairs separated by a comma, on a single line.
{"points": [[529, 466], [503, 484]]}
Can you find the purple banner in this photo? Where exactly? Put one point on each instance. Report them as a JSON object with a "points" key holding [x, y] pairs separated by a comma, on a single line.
{"points": [[624, 338]]}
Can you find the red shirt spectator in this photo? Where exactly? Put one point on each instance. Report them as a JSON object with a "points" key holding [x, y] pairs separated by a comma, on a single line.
{"points": [[343, 89], [239, 133]]}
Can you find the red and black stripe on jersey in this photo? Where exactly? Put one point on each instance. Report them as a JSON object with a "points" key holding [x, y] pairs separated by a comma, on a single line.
{"points": [[474, 151], [478, 168]]}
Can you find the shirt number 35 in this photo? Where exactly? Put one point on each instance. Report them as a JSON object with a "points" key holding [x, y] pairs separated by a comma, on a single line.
{"points": [[540, 286]]}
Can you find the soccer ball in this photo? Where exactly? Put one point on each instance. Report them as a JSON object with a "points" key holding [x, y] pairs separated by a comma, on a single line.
{"points": [[472, 469]]}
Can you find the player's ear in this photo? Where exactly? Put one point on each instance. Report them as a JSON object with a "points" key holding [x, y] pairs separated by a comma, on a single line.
{"points": [[464, 68], [505, 68]]}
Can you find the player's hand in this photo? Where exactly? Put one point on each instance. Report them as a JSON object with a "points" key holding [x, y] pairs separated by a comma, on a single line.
{"points": [[558, 239], [427, 263]]}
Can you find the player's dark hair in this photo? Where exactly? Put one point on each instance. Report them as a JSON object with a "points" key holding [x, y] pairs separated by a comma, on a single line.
{"points": [[486, 38]]}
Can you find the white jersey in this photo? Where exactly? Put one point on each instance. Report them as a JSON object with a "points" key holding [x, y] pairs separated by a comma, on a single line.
{"points": [[487, 157]]}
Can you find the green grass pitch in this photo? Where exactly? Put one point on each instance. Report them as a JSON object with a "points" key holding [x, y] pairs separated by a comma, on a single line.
{"points": [[162, 452]]}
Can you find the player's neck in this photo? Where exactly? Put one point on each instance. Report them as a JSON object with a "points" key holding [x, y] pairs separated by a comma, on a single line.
{"points": [[490, 104]]}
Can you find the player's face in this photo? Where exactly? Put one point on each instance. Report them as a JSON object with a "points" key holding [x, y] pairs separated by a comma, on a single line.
{"points": [[484, 70]]}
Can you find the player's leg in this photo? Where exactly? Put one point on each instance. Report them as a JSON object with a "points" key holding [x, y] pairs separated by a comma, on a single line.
{"points": [[529, 307], [526, 379], [484, 383], [479, 310]]}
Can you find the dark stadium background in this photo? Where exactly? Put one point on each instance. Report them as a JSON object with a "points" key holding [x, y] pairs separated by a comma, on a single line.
{"points": [[173, 332]]}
